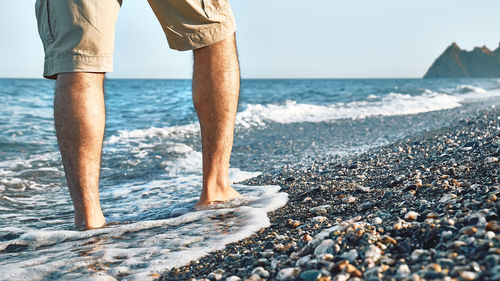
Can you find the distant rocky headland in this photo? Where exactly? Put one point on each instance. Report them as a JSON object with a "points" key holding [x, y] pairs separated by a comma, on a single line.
{"points": [[457, 63]]}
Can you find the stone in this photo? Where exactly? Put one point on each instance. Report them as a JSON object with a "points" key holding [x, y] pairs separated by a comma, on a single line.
{"points": [[216, 275], [493, 226], [446, 263], [269, 245], [261, 272], [353, 271], [267, 253], [349, 199], [262, 262], [320, 210], [253, 277], [386, 239], [307, 238], [411, 215], [468, 275], [493, 261], [447, 198], [403, 270], [292, 223], [351, 255], [363, 188], [469, 230], [319, 219], [303, 261], [373, 253], [325, 247], [341, 277], [491, 160], [288, 273], [233, 278], [377, 220], [310, 275], [418, 253]]}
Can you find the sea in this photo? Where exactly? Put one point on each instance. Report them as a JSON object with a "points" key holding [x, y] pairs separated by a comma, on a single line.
{"points": [[151, 164]]}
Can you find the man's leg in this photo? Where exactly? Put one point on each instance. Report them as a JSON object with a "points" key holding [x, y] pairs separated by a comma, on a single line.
{"points": [[216, 83], [79, 115]]}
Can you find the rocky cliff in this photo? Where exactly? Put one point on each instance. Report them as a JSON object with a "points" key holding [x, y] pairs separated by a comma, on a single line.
{"points": [[457, 63]]}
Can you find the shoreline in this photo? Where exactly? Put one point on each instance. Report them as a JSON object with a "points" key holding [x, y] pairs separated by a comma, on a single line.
{"points": [[424, 207]]}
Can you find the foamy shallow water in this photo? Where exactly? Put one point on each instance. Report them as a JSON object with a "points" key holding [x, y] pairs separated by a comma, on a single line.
{"points": [[136, 250]]}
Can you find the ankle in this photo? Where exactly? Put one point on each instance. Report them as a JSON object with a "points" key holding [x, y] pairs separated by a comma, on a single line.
{"points": [[90, 221]]}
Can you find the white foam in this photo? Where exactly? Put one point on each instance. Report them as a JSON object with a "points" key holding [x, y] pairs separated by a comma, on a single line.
{"points": [[142, 248], [171, 132], [258, 115], [389, 105]]}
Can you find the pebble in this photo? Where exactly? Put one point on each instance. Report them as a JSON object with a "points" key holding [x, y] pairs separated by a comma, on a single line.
{"points": [[307, 238], [303, 261], [446, 263], [469, 230], [349, 199], [363, 188], [377, 220], [493, 198], [267, 253], [216, 275], [493, 226], [233, 278], [351, 255], [373, 253], [403, 270], [253, 277], [491, 160], [447, 197], [288, 273], [411, 215], [418, 253], [320, 210], [386, 239], [325, 247], [319, 219], [292, 223], [353, 271], [307, 199], [310, 275], [468, 275], [341, 277], [261, 272]]}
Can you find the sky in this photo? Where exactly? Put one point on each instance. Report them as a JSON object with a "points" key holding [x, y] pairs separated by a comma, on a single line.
{"points": [[283, 38]]}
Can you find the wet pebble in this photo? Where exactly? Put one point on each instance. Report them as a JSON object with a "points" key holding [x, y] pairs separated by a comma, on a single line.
{"points": [[289, 273], [320, 210], [261, 272]]}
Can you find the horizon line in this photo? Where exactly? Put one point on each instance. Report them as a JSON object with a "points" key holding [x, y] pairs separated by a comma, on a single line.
{"points": [[242, 78]]}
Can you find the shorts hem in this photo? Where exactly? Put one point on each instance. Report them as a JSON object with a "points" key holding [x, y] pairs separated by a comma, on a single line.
{"points": [[204, 37], [76, 63]]}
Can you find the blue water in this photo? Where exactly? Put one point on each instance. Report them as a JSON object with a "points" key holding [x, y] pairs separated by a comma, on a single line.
{"points": [[151, 166]]}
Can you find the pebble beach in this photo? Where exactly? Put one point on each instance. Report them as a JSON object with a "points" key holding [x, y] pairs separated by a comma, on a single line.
{"points": [[423, 208]]}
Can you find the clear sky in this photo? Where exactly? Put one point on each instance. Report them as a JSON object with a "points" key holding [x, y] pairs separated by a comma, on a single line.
{"points": [[283, 38]]}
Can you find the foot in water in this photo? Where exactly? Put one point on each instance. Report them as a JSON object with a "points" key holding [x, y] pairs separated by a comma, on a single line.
{"points": [[216, 196], [92, 222]]}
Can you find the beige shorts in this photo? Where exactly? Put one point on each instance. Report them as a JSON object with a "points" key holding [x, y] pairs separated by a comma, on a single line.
{"points": [[78, 35]]}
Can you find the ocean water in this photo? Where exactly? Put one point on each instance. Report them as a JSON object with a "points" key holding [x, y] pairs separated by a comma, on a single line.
{"points": [[151, 166]]}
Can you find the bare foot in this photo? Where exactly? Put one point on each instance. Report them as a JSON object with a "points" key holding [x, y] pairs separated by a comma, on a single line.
{"points": [[216, 196], [92, 223]]}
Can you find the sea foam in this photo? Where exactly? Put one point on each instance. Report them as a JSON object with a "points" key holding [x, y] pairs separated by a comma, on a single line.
{"points": [[137, 250], [258, 115]]}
